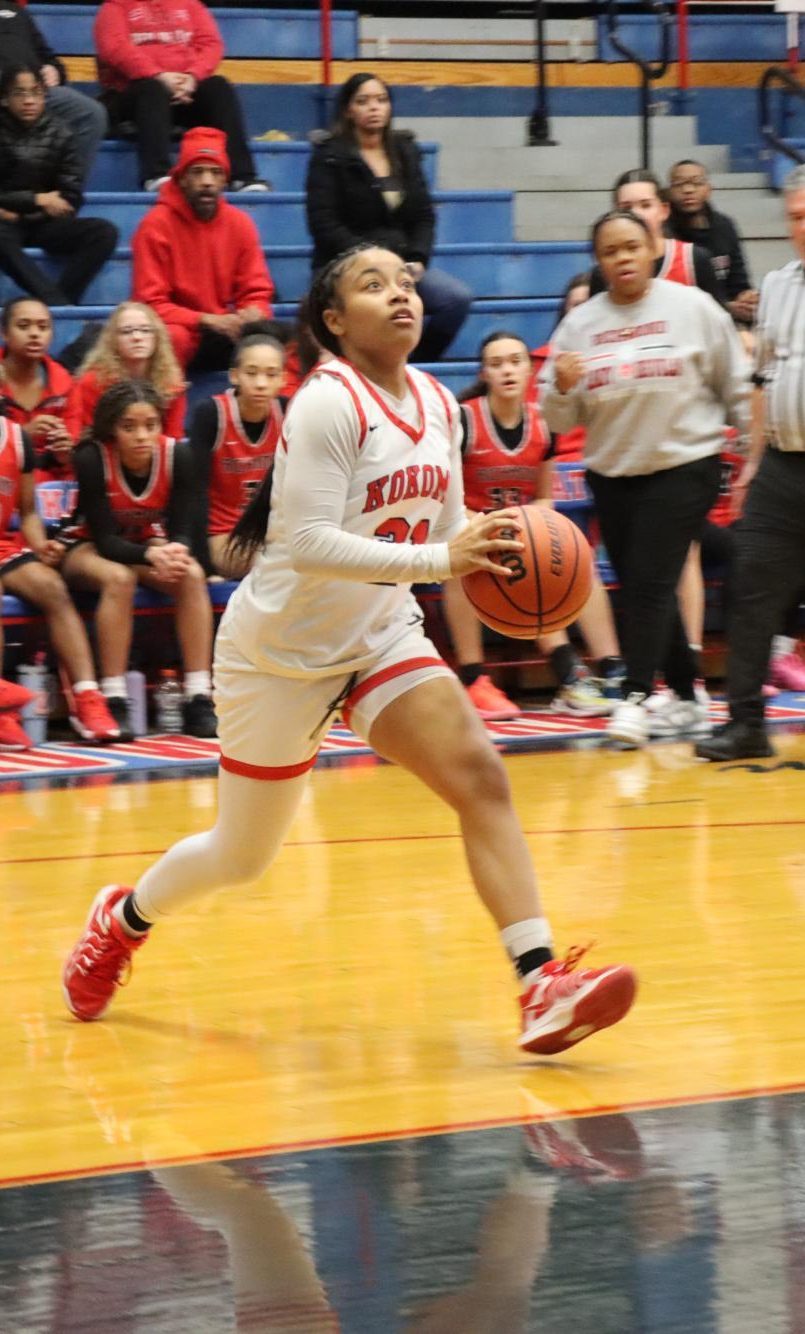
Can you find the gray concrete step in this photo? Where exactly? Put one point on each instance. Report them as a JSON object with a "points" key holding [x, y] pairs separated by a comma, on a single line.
{"points": [[557, 169], [566, 216], [590, 133]]}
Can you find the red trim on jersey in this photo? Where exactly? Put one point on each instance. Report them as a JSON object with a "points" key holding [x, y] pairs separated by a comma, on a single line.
{"points": [[380, 679], [677, 265], [322, 370], [412, 432], [442, 395], [266, 772]]}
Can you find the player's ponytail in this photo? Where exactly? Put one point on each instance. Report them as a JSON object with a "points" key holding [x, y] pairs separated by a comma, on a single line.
{"points": [[249, 533]]}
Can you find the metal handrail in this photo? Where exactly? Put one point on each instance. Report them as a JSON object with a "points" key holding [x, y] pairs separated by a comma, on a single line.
{"points": [[649, 70], [776, 73]]}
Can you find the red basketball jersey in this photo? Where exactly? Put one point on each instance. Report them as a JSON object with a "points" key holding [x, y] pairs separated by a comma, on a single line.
{"points": [[237, 466], [495, 476], [140, 518], [677, 265], [732, 465], [12, 462]]}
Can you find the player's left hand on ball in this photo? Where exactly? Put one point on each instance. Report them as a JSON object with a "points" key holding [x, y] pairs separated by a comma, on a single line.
{"points": [[485, 535]]}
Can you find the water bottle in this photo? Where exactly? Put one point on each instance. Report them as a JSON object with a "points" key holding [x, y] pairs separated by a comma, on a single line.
{"points": [[169, 699], [34, 716], [138, 716]]}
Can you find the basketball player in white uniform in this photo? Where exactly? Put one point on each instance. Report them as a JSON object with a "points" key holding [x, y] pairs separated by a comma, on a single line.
{"points": [[366, 498]]}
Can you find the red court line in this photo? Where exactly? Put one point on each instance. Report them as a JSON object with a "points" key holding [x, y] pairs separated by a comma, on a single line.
{"points": [[413, 1132], [430, 838]]}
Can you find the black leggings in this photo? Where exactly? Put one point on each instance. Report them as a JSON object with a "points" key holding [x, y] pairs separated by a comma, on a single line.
{"points": [[647, 524], [148, 103]]}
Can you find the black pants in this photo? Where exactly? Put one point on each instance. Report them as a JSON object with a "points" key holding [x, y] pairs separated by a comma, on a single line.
{"points": [[647, 524], [86, 242], [769, 575], [148, 103]]}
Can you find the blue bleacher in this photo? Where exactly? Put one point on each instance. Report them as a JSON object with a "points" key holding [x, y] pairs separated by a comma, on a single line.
{"points": [[268, 34], [508, 270], [283, 164], [482, 215]]}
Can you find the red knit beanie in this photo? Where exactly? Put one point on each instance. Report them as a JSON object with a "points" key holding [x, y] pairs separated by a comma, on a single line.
{"points": [[202, 144]]}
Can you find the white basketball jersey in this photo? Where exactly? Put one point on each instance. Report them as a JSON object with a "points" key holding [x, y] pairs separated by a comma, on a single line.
{"points": [[363, 485]]}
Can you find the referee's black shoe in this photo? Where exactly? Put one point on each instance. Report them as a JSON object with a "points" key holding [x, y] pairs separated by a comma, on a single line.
{"points": [[736, 741]]}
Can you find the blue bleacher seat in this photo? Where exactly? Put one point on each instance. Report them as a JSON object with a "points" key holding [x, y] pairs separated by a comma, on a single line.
{"points": [[267, 34], [283, 164], [484, 215]]}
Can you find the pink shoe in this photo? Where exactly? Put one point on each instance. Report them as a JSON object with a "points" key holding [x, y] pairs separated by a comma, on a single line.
{"points": [[787, 672], [101, 960], [562, 1005], [12, 734], [490, 702]]}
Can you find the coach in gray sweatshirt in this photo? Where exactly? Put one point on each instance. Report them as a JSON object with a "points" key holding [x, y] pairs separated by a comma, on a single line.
{"points": [[653, 371]]}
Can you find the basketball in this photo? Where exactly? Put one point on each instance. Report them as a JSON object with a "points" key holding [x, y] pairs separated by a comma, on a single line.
{"points": [[549, 583]]}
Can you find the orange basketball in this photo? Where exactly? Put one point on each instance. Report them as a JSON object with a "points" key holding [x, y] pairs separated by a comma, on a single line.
{"points": [[549, 583]]}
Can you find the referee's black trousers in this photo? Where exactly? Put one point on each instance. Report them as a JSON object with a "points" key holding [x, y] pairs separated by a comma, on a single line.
{"points": [[648, 523], [769, 574]]}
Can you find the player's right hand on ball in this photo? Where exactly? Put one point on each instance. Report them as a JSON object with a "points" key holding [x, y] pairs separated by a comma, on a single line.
{"points": [[476, 545]]}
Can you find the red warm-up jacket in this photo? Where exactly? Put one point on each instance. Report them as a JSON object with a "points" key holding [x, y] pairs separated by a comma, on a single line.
{"points": [[184, 267], [139, 39]]}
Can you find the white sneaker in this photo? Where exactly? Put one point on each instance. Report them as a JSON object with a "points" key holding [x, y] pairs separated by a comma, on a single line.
{"points": [[679, 717], [155, 183], [629, 723]]}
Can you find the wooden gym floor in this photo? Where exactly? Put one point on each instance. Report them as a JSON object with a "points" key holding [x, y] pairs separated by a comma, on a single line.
{"points": [[308, 1106]]}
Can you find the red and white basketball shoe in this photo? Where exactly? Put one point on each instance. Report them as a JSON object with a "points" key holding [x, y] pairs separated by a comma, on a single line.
{"points": [[101, 960], [562, 1005]]}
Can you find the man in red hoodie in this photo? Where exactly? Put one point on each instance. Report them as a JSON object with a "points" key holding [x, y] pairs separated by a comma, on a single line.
{"points": [[156, 64], [197, 259]]}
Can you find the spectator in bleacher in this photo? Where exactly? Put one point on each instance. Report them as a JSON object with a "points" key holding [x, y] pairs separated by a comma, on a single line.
{"points": [[197, 259], [136, 523], [27, 570], [694, 219], [365, 183], [569, 446], [40, 195], [34, 388], [654, 370], [233, 438], [508, 457], [156, 64], [133, 345], [640, 192], [22, 43]]}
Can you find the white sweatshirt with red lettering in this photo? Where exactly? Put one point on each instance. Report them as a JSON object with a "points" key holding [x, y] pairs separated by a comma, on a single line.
{"points": [[366, 495], [662, 377]]}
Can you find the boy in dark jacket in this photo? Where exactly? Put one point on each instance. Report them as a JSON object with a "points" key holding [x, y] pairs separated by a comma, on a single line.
{"points": [[693, 219], [40, 194], [21, 43]]}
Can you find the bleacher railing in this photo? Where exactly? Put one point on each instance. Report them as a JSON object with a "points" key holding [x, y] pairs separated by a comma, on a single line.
{"points": [[650, 70], [789, 85]]}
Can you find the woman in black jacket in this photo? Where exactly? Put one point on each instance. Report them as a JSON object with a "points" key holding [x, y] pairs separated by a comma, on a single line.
{"points": [[40, 194], [365, 183]]}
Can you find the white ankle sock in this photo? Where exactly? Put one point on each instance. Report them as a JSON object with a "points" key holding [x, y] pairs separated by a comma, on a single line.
{"points": [[79, 687], [782, 645], [114, 687], [532, 934], [197, 683]]}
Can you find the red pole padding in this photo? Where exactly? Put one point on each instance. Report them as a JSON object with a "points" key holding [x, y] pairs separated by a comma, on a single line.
{"points": [[326, 23], [683, 54]]}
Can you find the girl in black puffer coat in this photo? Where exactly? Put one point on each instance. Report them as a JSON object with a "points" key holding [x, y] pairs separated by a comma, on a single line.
{"points": [[365, 183], [40, 194]]}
